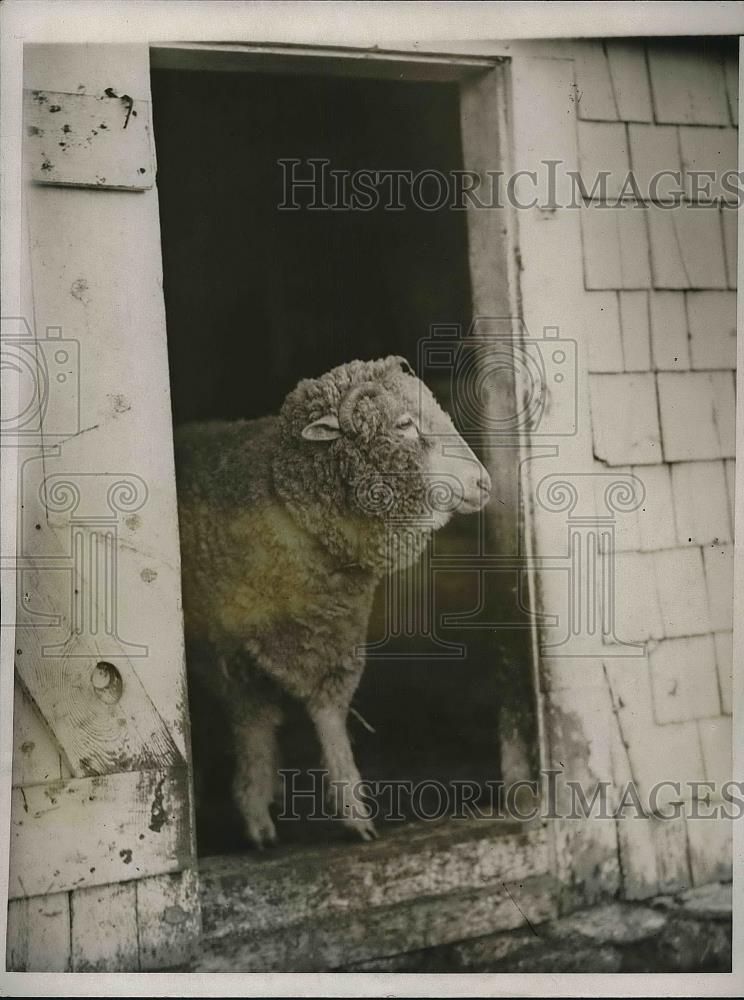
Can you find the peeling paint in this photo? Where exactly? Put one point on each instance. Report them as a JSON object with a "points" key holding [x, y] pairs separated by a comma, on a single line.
{"points": [[158, 815]]}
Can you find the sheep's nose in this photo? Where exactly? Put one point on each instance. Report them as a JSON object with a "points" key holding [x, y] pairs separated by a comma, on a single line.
{"points": [[484, 482]]}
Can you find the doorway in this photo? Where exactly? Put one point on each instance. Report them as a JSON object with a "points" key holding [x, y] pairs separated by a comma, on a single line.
{"points": [[259, 296]]}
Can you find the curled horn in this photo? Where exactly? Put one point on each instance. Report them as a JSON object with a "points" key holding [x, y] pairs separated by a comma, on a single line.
{"points": [[366, 390]]}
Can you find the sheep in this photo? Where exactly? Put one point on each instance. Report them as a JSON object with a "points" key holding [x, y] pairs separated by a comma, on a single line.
{"points": [[285, 524]]}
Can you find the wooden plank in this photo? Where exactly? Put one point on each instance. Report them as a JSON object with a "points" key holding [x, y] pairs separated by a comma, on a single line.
{"points": [[371, 63], [106, 295], [241, 894], [88, 140], [36, 756], [90, 831], [168, 920], [104, 929], [320, 944], [98, 710], [38, 937]]}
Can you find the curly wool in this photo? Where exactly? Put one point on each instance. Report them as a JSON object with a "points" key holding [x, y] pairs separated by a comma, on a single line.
{"points": [[284, 540], [350, 490]]}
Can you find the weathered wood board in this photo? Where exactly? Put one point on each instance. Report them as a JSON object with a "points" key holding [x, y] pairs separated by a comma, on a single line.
{"points": [[88, 140], [90, 831]]}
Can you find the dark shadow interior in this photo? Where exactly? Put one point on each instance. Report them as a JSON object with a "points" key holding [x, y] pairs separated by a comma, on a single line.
{"points": [[258, 298]]}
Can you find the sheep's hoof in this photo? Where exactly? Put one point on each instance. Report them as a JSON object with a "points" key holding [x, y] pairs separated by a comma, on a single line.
{"points": [[260, 829], [363, 827]]}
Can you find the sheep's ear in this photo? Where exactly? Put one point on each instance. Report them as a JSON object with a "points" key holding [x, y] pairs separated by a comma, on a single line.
{"points": [[324, 429]]}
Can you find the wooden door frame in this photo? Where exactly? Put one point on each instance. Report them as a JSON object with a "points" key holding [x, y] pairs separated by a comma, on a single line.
{"points": [[484, 89]]}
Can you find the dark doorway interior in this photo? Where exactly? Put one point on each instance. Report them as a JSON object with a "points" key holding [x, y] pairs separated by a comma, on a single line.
{"points": [[258, 298]]}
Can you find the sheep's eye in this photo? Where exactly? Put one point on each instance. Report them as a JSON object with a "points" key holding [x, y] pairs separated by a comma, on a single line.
{"points": [[407, 426]]}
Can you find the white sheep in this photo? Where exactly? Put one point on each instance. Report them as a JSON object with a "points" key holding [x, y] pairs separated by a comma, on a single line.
{"points": [[285, 524]]}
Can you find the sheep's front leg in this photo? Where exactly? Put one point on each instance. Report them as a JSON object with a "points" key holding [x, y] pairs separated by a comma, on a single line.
{"points": [[255, 775], [330, 724]]}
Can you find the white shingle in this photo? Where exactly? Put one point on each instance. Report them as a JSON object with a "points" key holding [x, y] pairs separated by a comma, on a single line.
{"points": [[634, 251], [602, 331], [710, 841], [729, 221], [712, 320], [596, 101], [687, 85], [725, 664], [730, 464], [715, 736], [708, 151], [625, 419], [603, 159], [683, 679], [654, 153], [666, 258], [719, 579], [680, 580], [601, 248], [655, 516], [731, 74], [723, 386], [636, 609], [700, 502], [625, 537], [627, 61], [688, 416], [700, 240], [635, 331], [669, 753], [669, 341]]}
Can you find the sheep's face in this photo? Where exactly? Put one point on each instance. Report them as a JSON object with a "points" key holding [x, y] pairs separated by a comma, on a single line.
{"points": [[395, 453]]}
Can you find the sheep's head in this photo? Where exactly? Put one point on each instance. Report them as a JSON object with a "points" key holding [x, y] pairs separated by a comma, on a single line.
{"points": [[369, 445]]}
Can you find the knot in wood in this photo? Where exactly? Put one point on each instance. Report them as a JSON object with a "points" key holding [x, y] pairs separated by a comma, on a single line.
{"points": [[107, 682]]}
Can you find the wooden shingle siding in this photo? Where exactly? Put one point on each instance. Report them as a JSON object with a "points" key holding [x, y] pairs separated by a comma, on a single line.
{"points": [[712, 323], [683, 598], [656, 526], [697, 415], [602, 332], [719, 578], [667, 263], [625, 420], [729, 221], [684, 679], [629, 76], [596, 99], [688, 85], [710, 847], [700, 503], [725, 664], [709, 150], [637, 608], [654, 150], [698, 234], [603, 149], [715, 738], [634, 323], [669, 340]]}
